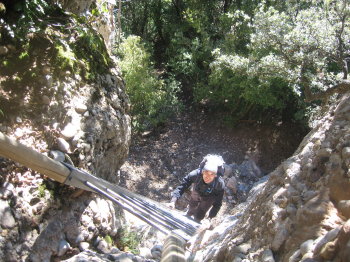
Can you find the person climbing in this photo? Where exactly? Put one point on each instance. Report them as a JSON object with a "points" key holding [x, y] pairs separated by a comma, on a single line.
{"points": [[207, 190]]}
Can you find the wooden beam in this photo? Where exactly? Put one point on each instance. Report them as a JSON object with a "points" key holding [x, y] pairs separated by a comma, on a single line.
{"points": [[12, 149]]}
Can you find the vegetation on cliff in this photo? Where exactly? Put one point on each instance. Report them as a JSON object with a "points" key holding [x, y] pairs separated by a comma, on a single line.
{"points": [[41, 45]]}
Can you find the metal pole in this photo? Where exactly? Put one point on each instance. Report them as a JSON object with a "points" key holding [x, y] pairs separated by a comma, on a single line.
{"points": [[176, 223], [143, 212], [96, 189], [64, 173]]}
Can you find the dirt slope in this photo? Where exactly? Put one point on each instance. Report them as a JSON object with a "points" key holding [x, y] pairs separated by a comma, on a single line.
{"points": [[158, 161]]}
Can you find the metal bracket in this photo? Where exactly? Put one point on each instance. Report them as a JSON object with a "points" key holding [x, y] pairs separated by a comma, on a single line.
{"points": [[78, 178]]}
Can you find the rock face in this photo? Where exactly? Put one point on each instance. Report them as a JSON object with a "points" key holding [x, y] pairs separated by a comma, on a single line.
{"points": [[104, 23], [63, 97], [299, 212], [73, 100], [302, 212]]}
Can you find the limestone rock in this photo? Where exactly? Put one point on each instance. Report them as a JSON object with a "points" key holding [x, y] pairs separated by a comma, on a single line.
{"points": [[69, 131], [6, 218], [267, 256], [344, 208]]}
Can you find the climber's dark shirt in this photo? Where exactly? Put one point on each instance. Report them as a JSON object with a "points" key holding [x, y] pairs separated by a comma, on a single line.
{"points": [[212, 192]]}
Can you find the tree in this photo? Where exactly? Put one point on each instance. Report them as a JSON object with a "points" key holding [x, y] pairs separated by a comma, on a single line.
{"points": [[313, 44], [247, 57], [152, 99], [300, 52]]}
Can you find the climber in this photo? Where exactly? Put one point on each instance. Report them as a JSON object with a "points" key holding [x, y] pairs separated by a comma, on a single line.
{"points": [[207, 190]]}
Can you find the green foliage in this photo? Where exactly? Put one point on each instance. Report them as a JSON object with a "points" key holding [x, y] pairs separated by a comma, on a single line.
{"points": [[246, 57], [187, 59], [108, 239], [286, 53], [99, 10], [243, 87], [152, 100], [237, 25], [84, 54], [32, 16], [180, 33], [65, 57], [42, 190], [309, 43], [128, 240], [42, 44], [91, 50]]}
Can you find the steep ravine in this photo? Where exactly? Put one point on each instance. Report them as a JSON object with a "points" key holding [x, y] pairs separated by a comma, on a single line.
{"points": [[72, 106]]}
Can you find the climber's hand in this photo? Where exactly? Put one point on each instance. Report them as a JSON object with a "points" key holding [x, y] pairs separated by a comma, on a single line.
{"points": [[207, 224], [172, 203]]}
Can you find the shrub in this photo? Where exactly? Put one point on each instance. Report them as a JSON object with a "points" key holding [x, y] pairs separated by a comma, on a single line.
{"points": [[152, 99], [245, 88], [128, 240]]}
